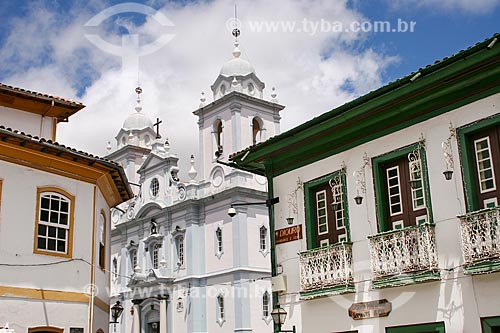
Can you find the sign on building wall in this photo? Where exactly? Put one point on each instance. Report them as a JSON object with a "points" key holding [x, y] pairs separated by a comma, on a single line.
{"points": [[373, 309], [288, 234]]}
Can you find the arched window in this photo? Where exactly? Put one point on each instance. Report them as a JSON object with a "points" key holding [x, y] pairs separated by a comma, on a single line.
{"points": [[219, 245], [265, 305], [45, 329], [102, 241], [221, 315], [218, 138], [133, 259], [54, 225], [115, 269], [180, 251], [256, 130], [155, 255], [263, 238], [154, 187]]}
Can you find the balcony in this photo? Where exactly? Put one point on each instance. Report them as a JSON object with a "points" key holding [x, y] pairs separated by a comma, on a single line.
{"points": [[481, 240], [406, 256], [326, 271]]}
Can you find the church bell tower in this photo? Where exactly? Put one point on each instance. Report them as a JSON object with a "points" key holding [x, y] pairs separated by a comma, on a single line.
{"points": [[238, 117]]}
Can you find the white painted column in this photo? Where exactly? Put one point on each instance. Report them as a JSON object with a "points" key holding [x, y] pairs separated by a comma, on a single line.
{"points": [[163, 315], [136, 321]]}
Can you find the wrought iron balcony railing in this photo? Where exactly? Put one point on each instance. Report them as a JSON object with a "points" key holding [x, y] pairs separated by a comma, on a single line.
{"points": [[326, 267], [402, 252], [480, 235]]}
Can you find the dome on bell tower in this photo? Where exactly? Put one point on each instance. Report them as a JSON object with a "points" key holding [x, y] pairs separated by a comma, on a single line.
{"points": [[137, 120], [237, 66]]}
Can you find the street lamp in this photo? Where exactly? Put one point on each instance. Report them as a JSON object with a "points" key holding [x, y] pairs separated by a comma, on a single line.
{"points": [[116, 312], [279, 315]]}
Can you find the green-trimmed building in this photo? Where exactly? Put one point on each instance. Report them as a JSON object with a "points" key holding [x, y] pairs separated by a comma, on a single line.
{"points": [[397, 194]]}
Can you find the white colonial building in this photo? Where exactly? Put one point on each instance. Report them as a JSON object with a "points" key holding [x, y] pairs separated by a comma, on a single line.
{"points": [[395, 205], [54, 220], [180, 262]]}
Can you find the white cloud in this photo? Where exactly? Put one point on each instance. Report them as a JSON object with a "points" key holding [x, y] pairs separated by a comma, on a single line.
{"points": [[310, 71], [467, 6]]}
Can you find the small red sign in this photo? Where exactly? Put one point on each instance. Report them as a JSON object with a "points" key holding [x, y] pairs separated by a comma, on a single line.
{"points": [[288, 234]]}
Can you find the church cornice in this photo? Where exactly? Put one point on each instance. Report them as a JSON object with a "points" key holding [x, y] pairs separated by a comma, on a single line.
{"points": [[236, 96]]}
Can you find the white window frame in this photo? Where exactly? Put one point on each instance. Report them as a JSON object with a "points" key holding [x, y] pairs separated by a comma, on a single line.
{"points": [[180, 251], [419, 220], [219, 242], [416, 174], [389, 190], [220, 309], [154, 186], [487, 138], [489, 201], [155, 255], [47, 224], [267, 318], [317, 212], [263, 240]]}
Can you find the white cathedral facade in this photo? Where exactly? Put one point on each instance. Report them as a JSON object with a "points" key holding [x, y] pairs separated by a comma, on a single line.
{"points": [[179, 262]]}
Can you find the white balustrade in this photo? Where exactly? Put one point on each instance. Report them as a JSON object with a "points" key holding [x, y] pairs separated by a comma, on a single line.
{"points": [[480, 235], [326, 267], [409, 250]]}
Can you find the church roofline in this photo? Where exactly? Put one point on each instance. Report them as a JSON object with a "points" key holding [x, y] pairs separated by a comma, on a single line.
{"points": [[237, 95], [240, 78], [142, 150]]}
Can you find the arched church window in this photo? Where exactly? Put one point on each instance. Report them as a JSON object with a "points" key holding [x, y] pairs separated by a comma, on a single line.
{"points": [[133, 258], [256, 130], [222, 90], [147, 140], [265, 305], [180, 251], [115, 269], [155, 255], [219, 245], [155, 187], [251, 89], [219, 138]]}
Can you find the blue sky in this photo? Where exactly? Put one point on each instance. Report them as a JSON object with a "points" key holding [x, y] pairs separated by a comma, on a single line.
{"points": [[43, 47]]}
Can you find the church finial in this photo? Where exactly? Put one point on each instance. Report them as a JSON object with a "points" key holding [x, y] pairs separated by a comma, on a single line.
{"points": [[273, 95], [192, 171], [138, 107], [202, 99], [236, 33]]}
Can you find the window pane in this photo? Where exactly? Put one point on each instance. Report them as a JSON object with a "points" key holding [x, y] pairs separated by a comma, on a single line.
{"points": [[63, 218], [61, 233], [51, 244], [54, 203], [61, 246], [54, 217], [64, 206], [42, 244], [52, 231], [44, 215], [45, 202], [42, 230]]}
